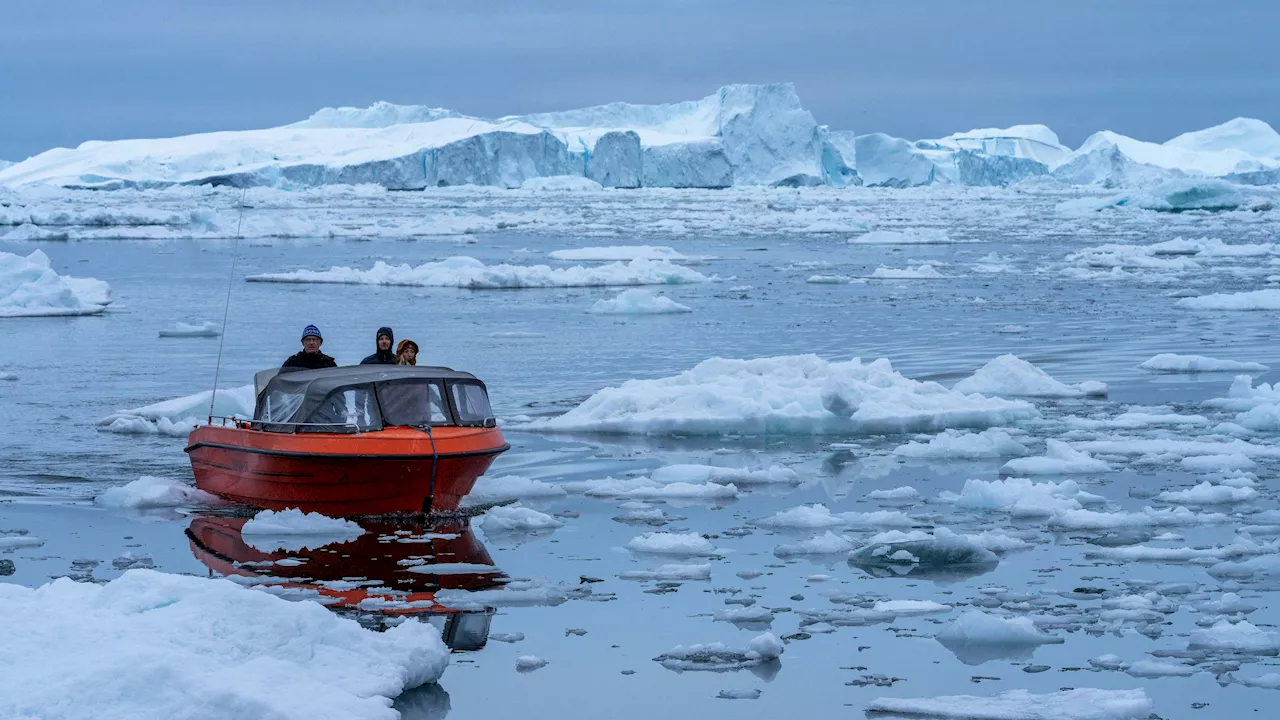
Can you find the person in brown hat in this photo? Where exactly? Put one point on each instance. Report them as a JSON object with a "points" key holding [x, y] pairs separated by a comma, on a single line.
{"points": [[407, 352]]}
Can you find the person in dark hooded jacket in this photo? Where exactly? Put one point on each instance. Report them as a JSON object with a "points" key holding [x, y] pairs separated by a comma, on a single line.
{"points": [[384, 340]]}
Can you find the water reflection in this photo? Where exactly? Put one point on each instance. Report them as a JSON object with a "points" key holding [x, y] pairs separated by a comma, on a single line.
{"points": [[394, 568]]}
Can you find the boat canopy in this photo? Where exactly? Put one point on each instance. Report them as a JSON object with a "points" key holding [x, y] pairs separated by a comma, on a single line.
{"points": [[360, 398]]}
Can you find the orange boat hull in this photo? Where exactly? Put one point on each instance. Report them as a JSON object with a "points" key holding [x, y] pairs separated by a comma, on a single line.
{"points": [[396, 470]]}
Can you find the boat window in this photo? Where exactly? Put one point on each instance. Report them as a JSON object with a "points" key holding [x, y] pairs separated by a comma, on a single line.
{"points": [[412, 402], [471, 403], [280, 406], [350, 409]]}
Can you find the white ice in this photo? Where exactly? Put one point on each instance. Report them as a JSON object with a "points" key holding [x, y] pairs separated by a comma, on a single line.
{"points": [[178, 417], [154, 645], [506, 519], [663, 543], [500, 488], [1172, 363], [467, 272], [154, 492], [920, 236], [29, 287], [921, 272], [1011, 375], [1059, 459], [953, 445], [185, 330], [1075, 704], [618, 253], [294, 529], [638, 302]]}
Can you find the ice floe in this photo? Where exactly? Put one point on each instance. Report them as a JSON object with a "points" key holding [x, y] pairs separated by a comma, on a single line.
{"points": [[827, 543], [921, 272], [501, 488], [505, 519], [941, 551], [618, 253], [638, 302], [818, 516], [294, 529], [953, 445], [1074, 704], [669, 572], [921, 236], [1021, 497], [1238, 637], [689, 473], [1011, 375], [976, 637], [1172, 363], [800, 394], [29, 287], [663, 543], [1207, 493], [649, 489], [529, 663], [470, 273], [186, 330], [178, 417], [1256, 300], [201, 639], [718, 657], [1059, 459], [154, 492]]}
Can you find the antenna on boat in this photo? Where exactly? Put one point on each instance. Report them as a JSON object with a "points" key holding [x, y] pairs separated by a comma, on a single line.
{"points": [[226, 306]]}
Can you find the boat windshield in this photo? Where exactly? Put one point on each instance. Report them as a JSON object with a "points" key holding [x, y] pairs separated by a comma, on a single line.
{"points": [[470, 402], [414, 401], [347, 409]]}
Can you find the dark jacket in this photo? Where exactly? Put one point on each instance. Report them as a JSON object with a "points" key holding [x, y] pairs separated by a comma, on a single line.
{"points": [[382, 357], [309, 361]]}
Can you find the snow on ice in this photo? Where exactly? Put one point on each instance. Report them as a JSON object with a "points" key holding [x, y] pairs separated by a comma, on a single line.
{"points": [[801, 394], [29, 287], [467, 272], [154, 645], [153, 492], [638, 302], [178, 417]]}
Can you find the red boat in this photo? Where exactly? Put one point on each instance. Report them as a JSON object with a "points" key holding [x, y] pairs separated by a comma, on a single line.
{"points": [[360, 440]]}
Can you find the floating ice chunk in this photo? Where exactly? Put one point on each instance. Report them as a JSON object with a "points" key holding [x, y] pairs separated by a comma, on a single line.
{"points": [[922, 272], [293, 529], [828, 279], [950, 444], [756, 615], [899, 494], [207, 638], [8, 376], [185, 330], [1023, 498], [742, 694], [1059, 459], [976, 636], [178, 417], [773, 475], [1077, 704], [1148, 517], [921, 236], [518, 593], [717, 657], [674, 572], [800, 394], [529, 663], [638, 302], [664, 543], [910, 607], [1011, 375], [616, 253], [943, 548], [505, 519], [29, 287], [802, 516], [1242, 637], [1171, 363], [1108, 662], [646, 489], [826, 544], [1208, 494], [154, 492], [13, 542], [1159, 668], [1012, 329], [1256, 300], [467, 272], [500, 488]]}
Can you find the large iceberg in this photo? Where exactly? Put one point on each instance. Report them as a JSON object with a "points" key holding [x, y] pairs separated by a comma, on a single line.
{"points": [[741, 135]]}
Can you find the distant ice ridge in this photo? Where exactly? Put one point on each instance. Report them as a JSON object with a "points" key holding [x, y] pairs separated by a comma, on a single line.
{"points": [[178, 417], [797, 394], [201, 638], [740, 135], [467, 272], [29, 287]]}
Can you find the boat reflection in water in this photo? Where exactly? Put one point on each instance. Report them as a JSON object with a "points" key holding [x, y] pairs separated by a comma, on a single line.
{"points": [[394, 568]]}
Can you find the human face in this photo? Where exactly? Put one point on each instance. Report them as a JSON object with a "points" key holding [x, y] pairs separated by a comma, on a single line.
{"points": [[410, 353], [384, 342], [311, 344]]}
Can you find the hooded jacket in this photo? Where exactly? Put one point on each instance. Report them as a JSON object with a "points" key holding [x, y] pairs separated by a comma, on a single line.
{"points": [[304, 360], [382, 357]]}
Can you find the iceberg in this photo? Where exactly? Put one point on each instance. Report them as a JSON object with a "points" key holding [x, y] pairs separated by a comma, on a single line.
{"points": [[797, 394], [29, 287], [1241, 146]]}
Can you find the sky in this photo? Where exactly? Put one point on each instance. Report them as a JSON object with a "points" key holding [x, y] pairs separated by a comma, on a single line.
{"points": [[76, 70]]}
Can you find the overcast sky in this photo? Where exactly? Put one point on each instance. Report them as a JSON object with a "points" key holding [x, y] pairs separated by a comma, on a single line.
{"points": [[72, 71]]}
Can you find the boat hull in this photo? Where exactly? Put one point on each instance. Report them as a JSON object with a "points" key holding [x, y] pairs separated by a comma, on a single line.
{"points": [[397, 470]]}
